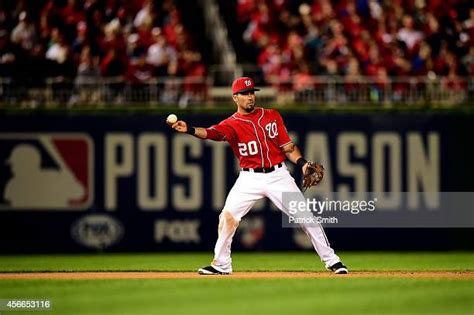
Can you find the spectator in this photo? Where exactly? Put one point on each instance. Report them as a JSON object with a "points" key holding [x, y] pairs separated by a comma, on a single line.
{"points": [[72, 14], [398, 62], [112, 65], [294, 49], [408, 34], [273, 64], [353, 73], [113, 39], [302, 80], [330, 67], [352, 79], [145, 15], [337, 45], [139, 72], [113, 68], [24, 34], [44, 68], [190, 64], [468, 62], [59, 50], [422, 63], [260, 24], [468, 26], [81, 40], [244, 10], [323, 12], [454, 83], [440, 64], [434, 37], [7, 56], [87, 80], [134, 49], [313, 42], [161, 55], [88, 71]]}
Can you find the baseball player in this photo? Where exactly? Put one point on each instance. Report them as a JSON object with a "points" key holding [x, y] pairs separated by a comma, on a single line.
{"points": [[260, 141]]}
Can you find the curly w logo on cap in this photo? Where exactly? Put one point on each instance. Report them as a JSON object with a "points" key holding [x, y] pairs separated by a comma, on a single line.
{"points": [[242, 85]]}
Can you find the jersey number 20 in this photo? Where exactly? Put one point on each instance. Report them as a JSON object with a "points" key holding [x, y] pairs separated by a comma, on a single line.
{"points": [[249, 148]]}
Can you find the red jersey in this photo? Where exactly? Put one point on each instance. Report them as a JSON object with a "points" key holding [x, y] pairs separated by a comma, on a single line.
{"points": [[256, 138]]}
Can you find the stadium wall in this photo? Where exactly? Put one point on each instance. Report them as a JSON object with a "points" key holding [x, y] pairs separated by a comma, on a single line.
{"points": [[128, 183]]}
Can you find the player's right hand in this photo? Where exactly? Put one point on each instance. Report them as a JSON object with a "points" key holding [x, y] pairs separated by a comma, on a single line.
{"points": [[180, 126]]}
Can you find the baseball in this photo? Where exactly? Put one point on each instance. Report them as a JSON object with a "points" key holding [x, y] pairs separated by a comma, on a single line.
{"points": [[171, 119]]}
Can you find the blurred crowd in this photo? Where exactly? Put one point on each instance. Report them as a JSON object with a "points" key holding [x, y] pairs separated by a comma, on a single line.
{"points": [[293, 40], [296, 39], [86, 40]]}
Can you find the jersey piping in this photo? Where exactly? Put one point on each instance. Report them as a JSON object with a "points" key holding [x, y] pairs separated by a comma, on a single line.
{"points": [[265, 138]]}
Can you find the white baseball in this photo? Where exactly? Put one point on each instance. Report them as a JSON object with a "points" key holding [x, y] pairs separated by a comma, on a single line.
{"points": [[172, 118]]}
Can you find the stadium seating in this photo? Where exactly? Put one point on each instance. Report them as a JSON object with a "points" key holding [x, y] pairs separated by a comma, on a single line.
{"points": [[358, 37]]}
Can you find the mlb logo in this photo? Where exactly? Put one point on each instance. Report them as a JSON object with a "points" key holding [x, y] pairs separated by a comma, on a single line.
{"points": [[46, 171]]}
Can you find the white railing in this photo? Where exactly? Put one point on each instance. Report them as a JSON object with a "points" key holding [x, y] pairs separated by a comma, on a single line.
{"points": [[106, 92], [335, 90], [199, 91]]}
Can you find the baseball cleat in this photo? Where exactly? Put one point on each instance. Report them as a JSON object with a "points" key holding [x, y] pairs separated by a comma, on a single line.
{"points": [[339, 269], [211, 270]]}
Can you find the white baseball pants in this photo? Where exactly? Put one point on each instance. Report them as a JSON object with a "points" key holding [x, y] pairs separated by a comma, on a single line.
{"points": [[248, 189]]}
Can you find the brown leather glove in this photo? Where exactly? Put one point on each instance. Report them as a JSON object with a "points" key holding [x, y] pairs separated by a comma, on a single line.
{"points": [[313, 175]]}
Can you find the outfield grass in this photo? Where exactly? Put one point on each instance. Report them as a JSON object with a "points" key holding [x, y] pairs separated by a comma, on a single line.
{"points": [[224, 295], [243, 296]]}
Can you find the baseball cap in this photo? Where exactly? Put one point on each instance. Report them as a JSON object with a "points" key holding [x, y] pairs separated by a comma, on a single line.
{"points": [[243, 84]]}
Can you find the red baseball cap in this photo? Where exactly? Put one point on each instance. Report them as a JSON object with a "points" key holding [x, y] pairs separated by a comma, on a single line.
{"points": [[243, 84]]}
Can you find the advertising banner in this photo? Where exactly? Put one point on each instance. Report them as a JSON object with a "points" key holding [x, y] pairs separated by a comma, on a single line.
{"points": [[129, 183]]}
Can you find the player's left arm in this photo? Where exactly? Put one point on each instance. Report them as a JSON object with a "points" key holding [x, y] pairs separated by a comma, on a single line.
{"points": [[290, 149], [293, 154]]}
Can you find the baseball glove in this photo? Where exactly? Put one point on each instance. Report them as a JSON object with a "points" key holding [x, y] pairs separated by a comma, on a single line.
{"points": [[313, 175]]}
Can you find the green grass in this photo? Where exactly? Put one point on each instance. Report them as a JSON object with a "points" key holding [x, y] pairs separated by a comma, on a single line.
{"points": [[291, 261], [242, 296], [224, 295]]}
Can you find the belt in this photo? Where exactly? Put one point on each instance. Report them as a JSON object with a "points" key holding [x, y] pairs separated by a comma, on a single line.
{"points": [[262, 169]]}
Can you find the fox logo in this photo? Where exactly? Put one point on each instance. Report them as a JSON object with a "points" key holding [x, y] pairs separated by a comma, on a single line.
{"points": [[46, 171]]}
